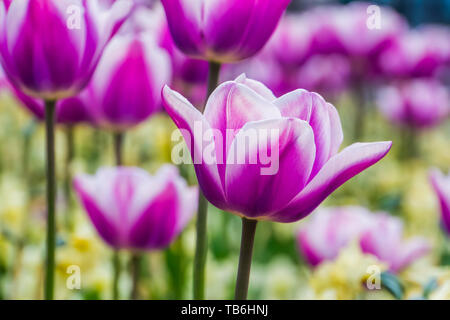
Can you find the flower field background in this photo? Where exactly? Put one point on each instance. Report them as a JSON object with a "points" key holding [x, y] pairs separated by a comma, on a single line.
{"points": [[390, 83]]}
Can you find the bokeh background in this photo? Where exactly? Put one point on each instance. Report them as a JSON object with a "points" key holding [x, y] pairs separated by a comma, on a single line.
{"points": [[398, 185]]}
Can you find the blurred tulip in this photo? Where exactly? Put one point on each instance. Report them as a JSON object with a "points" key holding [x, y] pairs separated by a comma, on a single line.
{"points": [[222, 31], [332, 229], [384, 239], [305, 166], [126, 86], [419, 53], [49, 49], [441, 185], [133, 210], [365, 33], [418, 103], [290, 44], [328, 75], [329, 231]]}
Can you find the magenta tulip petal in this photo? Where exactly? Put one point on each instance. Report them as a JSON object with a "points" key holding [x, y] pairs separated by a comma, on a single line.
{"points": [[340, 168], [323, 119], [411, 250], [184, 20], [441, 185], [187, 117], [257, 185]]}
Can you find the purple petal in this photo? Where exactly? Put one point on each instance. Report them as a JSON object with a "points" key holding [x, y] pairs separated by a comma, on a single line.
{"points": [[340, 168], [441, 185], [187, 117]]}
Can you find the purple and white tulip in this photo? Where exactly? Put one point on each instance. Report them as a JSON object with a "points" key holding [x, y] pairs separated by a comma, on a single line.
{"points": [[305, 136], [50, 48], [332, 229], [222, 30], [131, 209], [416, 103]]}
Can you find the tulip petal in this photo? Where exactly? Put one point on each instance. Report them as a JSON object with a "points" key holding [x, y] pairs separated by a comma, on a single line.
{"points": [[340, 168], [268, 164], [256, 86], [193, 127], [322, 117], [185, 20], [103, 220], [441, 185]]}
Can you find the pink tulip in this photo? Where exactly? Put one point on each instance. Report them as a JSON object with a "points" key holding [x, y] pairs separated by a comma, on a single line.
{"points": [[125, 88], [326, 74], [441, 185], [419, 53], [222, 31], [330, 230], [384, 239], [49, 49], [133, 210], [304, 165], [418, 103]]}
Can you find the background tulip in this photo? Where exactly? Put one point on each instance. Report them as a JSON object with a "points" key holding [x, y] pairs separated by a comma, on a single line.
{"points": [[50, 54], [332, 229], [329, 230], [125, 89], [131, 209], [418, 53], [417, 103], [222, 31], [310, 134], [385, 240], [441, 185]]}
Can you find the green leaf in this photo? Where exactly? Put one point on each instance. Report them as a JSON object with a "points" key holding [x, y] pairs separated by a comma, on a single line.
{"points": [[392, 283]]}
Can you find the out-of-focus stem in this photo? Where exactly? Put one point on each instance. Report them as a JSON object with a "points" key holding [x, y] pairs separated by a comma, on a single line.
{"points": [[245, 258], [116, 274], [201, 246], [70, 155], [360, 111], [118, 146], [135, 275], [51, 192]]}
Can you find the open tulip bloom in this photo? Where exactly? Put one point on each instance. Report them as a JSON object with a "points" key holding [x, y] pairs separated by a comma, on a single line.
{"points": [[267, 158]]}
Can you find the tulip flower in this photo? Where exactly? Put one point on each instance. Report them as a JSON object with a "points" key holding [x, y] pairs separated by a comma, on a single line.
{"points": [[329, 230], [332, 229], [418, 53], [384, 239], [418, 103], [441, 185], [131, 209], [49, 50], [125, 88], [222, 31], [326, 74], [284, 179]]}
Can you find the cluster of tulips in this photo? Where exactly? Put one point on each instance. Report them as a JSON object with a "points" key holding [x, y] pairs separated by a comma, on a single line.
{"points": [[215, 67]]}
